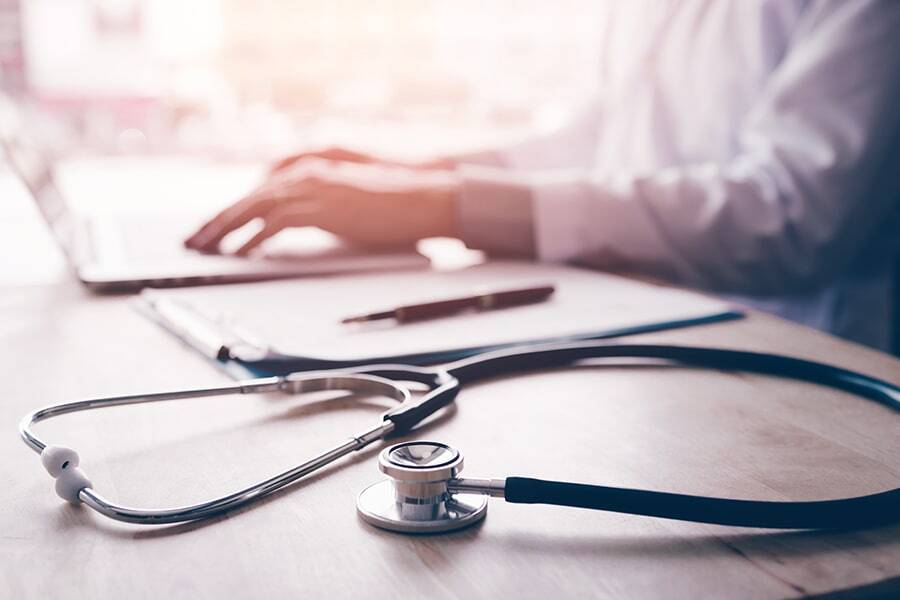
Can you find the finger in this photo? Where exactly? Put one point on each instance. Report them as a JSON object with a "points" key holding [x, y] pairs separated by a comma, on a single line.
{"points": [[207, 238], [279, 220], [295, 174], [338, 154], [286, 162], [203, 233]]}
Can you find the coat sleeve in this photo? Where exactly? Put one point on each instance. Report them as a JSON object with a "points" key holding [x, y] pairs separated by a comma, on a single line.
{"points": [[571, 145], [789, 210]]}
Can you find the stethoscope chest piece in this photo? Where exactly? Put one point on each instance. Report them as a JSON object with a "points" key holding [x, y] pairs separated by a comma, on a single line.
{"points": [[416, 498]]}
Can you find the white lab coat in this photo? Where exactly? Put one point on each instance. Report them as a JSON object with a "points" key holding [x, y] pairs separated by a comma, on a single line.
{"points": [[751, 147]]}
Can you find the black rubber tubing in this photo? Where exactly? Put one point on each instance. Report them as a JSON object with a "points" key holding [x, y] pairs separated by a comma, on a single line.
{"points": [[863, 511], [847, 513]]}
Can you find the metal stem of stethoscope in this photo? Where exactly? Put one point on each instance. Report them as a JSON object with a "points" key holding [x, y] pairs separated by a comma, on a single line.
{"points": [[75, 487]]}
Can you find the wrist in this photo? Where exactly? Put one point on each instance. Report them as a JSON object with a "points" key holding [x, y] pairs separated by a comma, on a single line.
{"points": [[495, 211], [445, 204]]}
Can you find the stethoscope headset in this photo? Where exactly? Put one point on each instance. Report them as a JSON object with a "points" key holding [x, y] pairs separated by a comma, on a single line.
{"points": [[424, 492]]}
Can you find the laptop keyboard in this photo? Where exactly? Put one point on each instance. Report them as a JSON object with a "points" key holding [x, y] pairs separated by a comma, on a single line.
{"points": [[141, 238]]}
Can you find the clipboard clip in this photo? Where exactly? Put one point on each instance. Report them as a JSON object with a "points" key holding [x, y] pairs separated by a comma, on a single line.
{"points": [[216, 336]]}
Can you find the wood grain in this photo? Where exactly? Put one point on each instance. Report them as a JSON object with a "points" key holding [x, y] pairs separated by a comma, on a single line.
{"points": [[653, 427]]}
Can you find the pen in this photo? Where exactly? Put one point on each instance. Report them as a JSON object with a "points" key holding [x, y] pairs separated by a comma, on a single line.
{"points": [[441, 308]]}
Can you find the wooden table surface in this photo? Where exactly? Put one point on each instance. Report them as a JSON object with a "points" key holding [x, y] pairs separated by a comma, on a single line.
{"points": [[682, 430]]}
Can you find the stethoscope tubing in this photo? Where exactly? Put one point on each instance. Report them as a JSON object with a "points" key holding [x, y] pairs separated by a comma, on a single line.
{"points": [[840, 513], [554, 356], [843, 513]]}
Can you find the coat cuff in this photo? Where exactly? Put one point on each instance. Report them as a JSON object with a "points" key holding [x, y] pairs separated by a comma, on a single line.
{"points": [[495, 212], [558, 216], [604, 223]]}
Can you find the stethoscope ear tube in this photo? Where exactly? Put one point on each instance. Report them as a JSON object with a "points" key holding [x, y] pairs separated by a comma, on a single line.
{"points": [[407, 417], [846, 513], [442, 391]]}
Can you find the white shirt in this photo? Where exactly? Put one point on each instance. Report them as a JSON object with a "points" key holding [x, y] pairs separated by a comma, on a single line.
{"points": [[746, 147]]}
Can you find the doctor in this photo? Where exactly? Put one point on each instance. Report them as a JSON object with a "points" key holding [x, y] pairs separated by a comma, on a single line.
{"points": [[751, 148]]}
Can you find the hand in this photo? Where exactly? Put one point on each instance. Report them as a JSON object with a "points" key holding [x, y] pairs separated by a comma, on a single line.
{"points": [[368, 204]]}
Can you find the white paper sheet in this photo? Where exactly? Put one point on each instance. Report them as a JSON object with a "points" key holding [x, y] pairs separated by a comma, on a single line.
{"points": [[302, 317]]}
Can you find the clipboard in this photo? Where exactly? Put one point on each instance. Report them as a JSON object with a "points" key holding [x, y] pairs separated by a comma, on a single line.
{"points": [[275, 328]]}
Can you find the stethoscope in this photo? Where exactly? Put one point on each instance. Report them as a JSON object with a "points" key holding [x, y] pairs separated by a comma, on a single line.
{"points": [[424, 492]]}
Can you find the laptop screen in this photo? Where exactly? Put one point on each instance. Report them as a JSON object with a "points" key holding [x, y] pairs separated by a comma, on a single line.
{"points": [[23, 154]]}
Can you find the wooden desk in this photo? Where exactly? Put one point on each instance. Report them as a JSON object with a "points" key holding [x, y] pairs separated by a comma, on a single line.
{"points": [[662, 428]]}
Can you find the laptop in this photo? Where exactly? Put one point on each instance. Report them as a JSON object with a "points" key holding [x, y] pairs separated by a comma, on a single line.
{"points": [[116, 252]]}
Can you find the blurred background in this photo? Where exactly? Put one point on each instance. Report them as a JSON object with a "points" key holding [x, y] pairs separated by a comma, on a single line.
{"points": [[242, 79]]}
